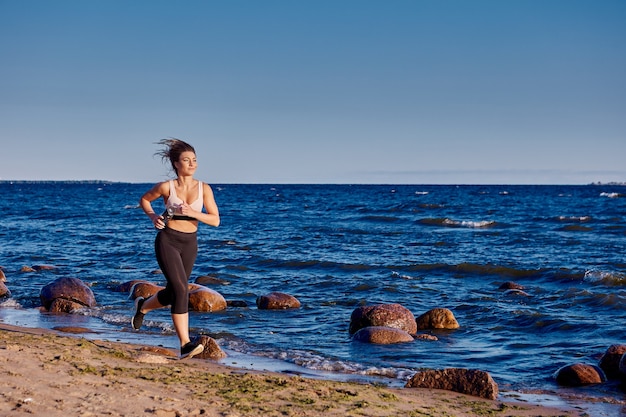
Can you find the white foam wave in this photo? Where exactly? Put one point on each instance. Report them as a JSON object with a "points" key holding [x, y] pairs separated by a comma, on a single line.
{"points": [[10, 303], [403, 276], [468, 223], [610, 278], [108, 317], [611, 195], [574, 218], [316, 362]]}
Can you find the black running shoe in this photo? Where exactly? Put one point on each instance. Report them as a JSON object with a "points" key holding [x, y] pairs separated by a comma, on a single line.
{"points": [[191, 349], [137, 320]]}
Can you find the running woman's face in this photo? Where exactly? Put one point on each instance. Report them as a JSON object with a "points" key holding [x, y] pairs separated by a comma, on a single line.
{"points": [[187, 163]]}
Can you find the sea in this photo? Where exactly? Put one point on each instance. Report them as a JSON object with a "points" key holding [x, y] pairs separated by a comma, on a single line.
{"points": [[338, 247]]}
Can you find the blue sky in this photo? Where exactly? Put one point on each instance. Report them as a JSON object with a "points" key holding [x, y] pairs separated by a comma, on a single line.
{"points": [[437, 92]]}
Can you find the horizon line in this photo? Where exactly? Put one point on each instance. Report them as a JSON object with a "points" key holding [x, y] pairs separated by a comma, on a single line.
{"points": [[100, 181]]}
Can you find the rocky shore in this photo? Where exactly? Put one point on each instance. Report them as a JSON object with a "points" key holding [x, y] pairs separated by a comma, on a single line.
{"points": [[53, 373]]}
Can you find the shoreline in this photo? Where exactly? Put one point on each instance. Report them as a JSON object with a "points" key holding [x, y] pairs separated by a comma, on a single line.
{"points": [[47, 372]]}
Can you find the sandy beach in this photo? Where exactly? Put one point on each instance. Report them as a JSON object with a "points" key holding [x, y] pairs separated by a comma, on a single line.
{"points": [[46, 372]]}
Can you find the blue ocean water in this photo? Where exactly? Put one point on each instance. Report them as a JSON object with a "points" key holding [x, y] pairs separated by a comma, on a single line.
{"points": [[337, 247]]}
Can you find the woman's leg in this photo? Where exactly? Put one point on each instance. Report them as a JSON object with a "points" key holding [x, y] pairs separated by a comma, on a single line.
{"points": [[169, 259], [181, 325], [150, 303], [177, 262], [180, 314]]}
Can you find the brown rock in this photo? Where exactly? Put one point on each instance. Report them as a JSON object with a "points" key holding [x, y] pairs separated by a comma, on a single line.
{"points": [[144, 289], [386, 315], [382, 335], [27, 269], [466, 381], [4, 290], [517, 293], [128, 285], [609, 362], [437, 318], [207, 280], [158, 350], [3, 277], [63, 305], [44, 267], [72, 290], [510, 285], [206, 299], [424, 336], [211, 349], [579, 374], [277, 301]]}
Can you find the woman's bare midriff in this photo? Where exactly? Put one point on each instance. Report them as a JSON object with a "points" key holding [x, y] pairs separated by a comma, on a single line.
{"points": [[185, 226]]}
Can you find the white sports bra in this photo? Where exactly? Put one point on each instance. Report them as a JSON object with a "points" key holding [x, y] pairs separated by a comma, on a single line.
{"points": [[174, 201]]}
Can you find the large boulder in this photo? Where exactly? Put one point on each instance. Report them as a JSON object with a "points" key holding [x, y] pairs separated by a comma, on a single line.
{"points": [[66, 295], [62, 305], [4, 290], [128, 285], [206, 299], [3, 277], [385, 315], [277, 301], [579, 374], [382, 335], [609, 362], [467, 381], [144, 289], [437, 318]]}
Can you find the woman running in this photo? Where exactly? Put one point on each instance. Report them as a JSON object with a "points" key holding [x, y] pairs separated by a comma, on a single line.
{"points": [[176, 243]]}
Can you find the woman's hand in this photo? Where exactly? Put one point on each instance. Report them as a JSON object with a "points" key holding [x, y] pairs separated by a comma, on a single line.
{"points": [[185, 210], [157, 221]]}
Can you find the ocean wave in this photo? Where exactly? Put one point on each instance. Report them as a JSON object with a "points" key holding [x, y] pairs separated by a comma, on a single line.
{"points": [[576, 228], [431, 206], [612, 195], [316, 362], [609, 278], [380, 219], [581, 219], [616, 301], [447, 222], [477, 269], [315, 264]]}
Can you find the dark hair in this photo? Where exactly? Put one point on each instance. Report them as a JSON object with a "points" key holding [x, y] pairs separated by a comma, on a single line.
{"points": [[172, 148]]}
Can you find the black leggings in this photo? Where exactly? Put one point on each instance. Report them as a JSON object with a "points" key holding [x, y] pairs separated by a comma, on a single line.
{"points": [[176, 253]]}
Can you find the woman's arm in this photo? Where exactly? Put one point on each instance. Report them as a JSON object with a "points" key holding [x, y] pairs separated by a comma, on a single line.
{"points": [[145, 202]]}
